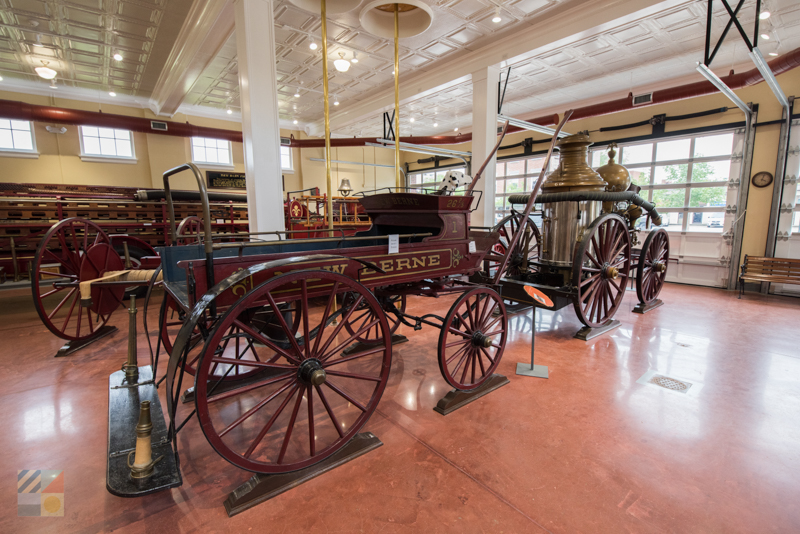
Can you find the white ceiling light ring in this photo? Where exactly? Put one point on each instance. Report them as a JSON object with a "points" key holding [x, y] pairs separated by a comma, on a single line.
{"points": [[312, 45], [764, 15], [117, 56], [341, 64], [45, 72], [332, 7], [381, 23]]}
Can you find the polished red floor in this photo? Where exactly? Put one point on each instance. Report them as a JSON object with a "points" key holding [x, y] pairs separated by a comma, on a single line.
{"points": [[588, 450]]}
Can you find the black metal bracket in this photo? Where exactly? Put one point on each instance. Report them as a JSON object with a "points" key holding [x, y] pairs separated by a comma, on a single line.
{"points": [[709, 54], [502, 96], [388, 126]]}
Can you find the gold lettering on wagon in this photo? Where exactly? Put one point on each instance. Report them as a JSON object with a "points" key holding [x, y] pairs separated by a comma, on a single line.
{"points": [[244, 286]]}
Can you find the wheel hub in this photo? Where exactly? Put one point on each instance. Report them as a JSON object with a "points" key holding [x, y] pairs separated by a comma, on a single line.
{"points": [[659, 266], [311, 372], [610, 272], [481, 340]]}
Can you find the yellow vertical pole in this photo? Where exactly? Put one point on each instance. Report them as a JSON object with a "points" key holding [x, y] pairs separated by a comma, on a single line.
{"points": [[329, 207], [397, 182]]}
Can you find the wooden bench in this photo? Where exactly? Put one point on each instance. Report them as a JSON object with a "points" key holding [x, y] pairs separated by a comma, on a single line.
{"points": [[772, 270]]}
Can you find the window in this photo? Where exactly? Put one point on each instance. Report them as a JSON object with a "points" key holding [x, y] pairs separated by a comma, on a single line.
{"points": [[686, 178], [105, 143], [422, 182], [16, 136], [286, 158], [211, 151], [517, 176]]}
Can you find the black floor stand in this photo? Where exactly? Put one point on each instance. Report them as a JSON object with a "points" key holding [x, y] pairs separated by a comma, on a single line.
{"points": [[537, 371], [72, 346], [457, 399], [261, 488], [586, 333], [123, 413], [644, 308]]}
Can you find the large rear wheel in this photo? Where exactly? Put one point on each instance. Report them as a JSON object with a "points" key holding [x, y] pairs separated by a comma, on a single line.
{"points": [[651, 272]]}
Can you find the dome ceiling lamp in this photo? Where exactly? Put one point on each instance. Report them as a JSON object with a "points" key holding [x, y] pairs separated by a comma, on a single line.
{"points": [[46, 72], [325, 8], [393, 21]]}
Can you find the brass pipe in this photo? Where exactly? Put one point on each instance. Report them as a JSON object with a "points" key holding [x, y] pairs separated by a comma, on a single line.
{"points": [[396, 96], [329, 210], [131, 367]]}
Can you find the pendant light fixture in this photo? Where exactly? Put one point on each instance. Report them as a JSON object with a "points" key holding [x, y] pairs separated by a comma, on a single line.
{"points": [[355, 58], [46, 72], [341, 64], [496, 17]]}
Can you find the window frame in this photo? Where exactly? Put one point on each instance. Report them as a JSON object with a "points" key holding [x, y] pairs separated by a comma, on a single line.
{"points": [[211, 164], [290, 169], [33, 153], [423, 186], [101, 158], [500, 213]]}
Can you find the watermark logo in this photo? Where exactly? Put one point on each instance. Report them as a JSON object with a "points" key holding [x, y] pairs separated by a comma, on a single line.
{"points": [[40, 492]]}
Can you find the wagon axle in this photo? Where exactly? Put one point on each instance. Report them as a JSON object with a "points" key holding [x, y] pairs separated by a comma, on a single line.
{"points": [[311, 372]]}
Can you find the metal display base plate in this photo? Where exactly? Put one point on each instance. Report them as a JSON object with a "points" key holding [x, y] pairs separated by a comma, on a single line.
{"points": [[456, 399], [74, 346], [356, 347], [644, 308], [123, 415], [261, 488], [538, 371], [586, 333]]}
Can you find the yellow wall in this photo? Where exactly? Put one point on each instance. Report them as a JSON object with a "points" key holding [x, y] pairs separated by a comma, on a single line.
{"points": [[764, 155], [59, 159]]}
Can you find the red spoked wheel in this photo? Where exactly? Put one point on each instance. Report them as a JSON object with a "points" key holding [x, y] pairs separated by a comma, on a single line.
{"points": [[72, 251], [526, 250], [262, 320], [314, 399], [600, 269], [364, 315], [191, 231], [651, 272], [473, 338]]}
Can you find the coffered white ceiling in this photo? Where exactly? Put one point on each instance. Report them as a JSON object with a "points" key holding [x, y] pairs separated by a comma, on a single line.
{"points": [[78, 39]]}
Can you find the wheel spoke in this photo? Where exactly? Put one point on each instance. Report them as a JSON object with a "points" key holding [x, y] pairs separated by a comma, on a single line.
{"points": [[324, 322], [248, 363], [271, 421], [250, 387], [311, 433], [251, 411], [327, 364], [307, 342], [266, 341], [456, 353], [290, 427], [341, 324], [347, 397], [354, 375], [286, 330], [60, 304], [330, 412], [349, 340]]}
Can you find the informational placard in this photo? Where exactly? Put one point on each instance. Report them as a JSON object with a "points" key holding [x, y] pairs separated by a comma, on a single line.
{"points": [[472, 248], [394, 243], [225, 180]]}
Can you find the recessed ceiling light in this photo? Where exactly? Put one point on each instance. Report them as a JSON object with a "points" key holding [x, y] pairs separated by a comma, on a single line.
{"points": [[118, 56], [435, 124], [764, 15], [411, 119], [341, 64], [455, 129], [496, 17], [355, 59], [294, 121], [38, 43], [312, 45], [335, 100], [112, 93], [229, 111], [297, 94], [773, 54], [1, 78], [45, 72], [765, 36]]}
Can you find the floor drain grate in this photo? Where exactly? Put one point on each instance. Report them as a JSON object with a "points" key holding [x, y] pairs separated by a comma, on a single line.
{"points": [[670, 383]]}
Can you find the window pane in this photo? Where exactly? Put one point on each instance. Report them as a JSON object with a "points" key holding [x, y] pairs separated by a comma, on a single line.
{"points": [[499, 202], [637, 153], [671, 174], [21, 125], [796, 220], [669, 198], [428, 177], [670, 150], [640, 177], [706, 221], [197, 141], [6, 141], [714, 171], [713, 145], [124, 148], [554, 161], [107, 147], [5, 123], [91, 145], [535, 165], [199, 153], [286, 162], [500, 170], [211, 155], [672, 219], [599, 158], [225, 156], [514, 168], [89, 131], [440, 176], [22, 140], [499, 185], [106, 132], [516, 185], [703, 197], [122, 134]]}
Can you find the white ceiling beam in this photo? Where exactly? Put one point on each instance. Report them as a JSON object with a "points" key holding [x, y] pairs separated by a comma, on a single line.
{"points": [[210, 23], [557, 28]]}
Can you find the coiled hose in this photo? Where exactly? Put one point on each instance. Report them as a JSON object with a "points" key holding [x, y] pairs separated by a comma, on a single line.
{"points": [[605, 196]]}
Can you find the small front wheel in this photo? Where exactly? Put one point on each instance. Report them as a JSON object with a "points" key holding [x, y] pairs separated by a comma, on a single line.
{"points": [[473, 338]]}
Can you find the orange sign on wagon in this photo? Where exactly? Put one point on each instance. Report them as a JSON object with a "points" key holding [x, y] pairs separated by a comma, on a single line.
{"points": [[538, 296]]}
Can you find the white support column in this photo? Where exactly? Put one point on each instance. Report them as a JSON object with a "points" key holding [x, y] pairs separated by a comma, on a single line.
{"points": [[484, 137], [255, 48]]}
